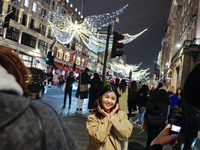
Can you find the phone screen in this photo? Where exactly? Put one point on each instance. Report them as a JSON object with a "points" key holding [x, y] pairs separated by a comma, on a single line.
{"points": [[175, 129]]}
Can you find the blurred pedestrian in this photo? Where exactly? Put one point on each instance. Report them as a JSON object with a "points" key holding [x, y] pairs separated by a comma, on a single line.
{"points": [[50, 78], [107, 125], [132, 95], [96, 86], [82, 91], [179, 93], [26, 124], [173, 97], [191, 111], [117, 80], [157, 112], [61, 81], [141, 100], [123, 96], [68, 88]]}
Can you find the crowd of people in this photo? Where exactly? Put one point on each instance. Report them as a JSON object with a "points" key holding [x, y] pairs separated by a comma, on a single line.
{"points": [[27, 124]]}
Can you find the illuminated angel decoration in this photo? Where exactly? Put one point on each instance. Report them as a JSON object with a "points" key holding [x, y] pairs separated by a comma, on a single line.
{"points": [[65, 29], [126, 69]]}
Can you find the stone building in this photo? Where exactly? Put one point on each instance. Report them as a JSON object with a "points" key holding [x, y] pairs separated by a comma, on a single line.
{"points": [[180, 46]]}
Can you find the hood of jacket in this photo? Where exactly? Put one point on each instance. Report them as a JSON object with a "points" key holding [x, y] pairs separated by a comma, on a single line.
{"points": [[164, 88], [9, 83], [12, 104]]}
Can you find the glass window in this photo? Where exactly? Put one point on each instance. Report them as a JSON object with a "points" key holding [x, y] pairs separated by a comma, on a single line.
{"points": [[34, 7], [12, 33], [27, 63], [42, 46], [26, 3], [53, 5], [28, 40], [30, 58], [25, 57], [57, 10]]}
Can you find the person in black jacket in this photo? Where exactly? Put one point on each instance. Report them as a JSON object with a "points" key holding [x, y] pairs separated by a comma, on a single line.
{"points": [[191, 111], [68, 88], [156, 113], [96, 86], [132, 95], [84, 79], [141, 101]]}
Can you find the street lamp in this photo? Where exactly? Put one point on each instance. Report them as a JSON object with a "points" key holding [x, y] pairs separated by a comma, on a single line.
{"points": [[178, 45]]}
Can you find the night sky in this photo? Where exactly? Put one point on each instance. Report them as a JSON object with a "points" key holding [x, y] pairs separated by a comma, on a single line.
{"points": [[140, 14]]}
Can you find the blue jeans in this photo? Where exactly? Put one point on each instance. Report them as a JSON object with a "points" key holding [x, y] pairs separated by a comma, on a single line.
{"points": [[140, 115]]}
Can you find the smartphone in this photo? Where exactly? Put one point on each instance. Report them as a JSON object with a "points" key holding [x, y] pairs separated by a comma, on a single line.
{"points": [[175, 129]]}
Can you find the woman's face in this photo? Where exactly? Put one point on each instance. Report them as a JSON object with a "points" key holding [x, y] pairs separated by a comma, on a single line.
{"points": [[108, 101], [179, 91]]}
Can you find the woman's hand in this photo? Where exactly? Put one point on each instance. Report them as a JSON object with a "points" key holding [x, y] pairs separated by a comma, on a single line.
{"points": [[105, 114], [114, 110]]}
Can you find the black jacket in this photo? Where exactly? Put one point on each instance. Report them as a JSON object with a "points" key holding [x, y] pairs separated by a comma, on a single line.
{"points": [[157, 109], [69, 82], [142, 100]]}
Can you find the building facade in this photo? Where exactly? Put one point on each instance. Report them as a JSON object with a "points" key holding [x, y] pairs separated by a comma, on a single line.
{"points": [[180, 47]]}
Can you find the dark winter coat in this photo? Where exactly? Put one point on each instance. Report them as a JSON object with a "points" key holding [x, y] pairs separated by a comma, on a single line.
{"points": [[142, 100], [132, 95], [95, 88], [85, 79], [69, 83], [20, 125], [157, 108]]}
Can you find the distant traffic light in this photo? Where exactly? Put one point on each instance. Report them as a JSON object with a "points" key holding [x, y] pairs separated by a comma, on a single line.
{"points": [[50, 58], [117, 37]]}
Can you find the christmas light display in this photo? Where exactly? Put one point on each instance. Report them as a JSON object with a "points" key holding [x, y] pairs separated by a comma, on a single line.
{"points": [[65, 29], [126, 69]]}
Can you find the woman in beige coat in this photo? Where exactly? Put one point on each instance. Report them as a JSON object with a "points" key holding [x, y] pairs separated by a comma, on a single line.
{"points": [[108, 127], [123, 99]]}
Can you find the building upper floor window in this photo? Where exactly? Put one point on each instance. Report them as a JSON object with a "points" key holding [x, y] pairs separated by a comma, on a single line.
{"points": [[57, 11], [53, 5], [26, 3], [34, 7]]}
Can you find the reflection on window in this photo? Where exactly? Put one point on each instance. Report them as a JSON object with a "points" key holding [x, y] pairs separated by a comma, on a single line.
{"points": [[57, 10], [34, 7], [42, 46], [26, 3]]}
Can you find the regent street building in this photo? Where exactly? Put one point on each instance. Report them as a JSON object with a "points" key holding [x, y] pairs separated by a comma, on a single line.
{"points": [[180, 46], [30, 35]]}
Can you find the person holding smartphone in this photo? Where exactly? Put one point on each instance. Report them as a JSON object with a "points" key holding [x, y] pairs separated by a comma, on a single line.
{"points": [[108, 126]]}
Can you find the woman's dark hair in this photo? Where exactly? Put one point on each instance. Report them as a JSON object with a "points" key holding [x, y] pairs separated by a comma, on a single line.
{"points": [[144, 89], [96, 76], [177, 90], [123, 85], [160, 84], [192, 87], [98, 102], [134, 86]]}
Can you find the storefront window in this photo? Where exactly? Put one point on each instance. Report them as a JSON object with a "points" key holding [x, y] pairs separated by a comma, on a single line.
{"points": [[27, 60], [60, 54], [82, 62], [28, 40], [78, 61], [67, 56]]}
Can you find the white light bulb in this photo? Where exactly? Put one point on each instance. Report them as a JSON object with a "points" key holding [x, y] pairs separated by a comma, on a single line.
{"points": [[81, 16], [76, 10], [71, 5], [79, 12]]}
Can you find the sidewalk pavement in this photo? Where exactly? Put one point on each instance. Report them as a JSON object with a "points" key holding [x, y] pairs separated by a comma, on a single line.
{"points": [[76, 120]]}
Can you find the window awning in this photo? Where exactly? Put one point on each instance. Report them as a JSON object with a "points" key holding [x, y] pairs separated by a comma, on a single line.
{"points": [[42, 62], [59, 66]]}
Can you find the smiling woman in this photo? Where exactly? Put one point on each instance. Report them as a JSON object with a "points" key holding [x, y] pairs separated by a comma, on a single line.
{"points": [[108, 127]]}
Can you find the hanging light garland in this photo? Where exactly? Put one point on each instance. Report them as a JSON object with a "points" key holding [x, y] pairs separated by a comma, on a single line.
{"points": [[126, 69], [65, 30]]}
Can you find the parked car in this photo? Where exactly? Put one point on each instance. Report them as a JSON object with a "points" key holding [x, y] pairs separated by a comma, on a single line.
{"points": [[37, 83]]}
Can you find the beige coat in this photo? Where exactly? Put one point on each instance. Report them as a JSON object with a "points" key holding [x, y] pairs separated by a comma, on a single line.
{"points": [[123, 100], [105, 134]]}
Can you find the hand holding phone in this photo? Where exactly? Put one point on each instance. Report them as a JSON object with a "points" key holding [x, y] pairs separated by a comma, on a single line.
{"points": [[175, 129]]}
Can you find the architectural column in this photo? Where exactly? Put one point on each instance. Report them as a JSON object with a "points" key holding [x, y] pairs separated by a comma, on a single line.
{"points": [[36, 44], [20, 36], [198, 23]]}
